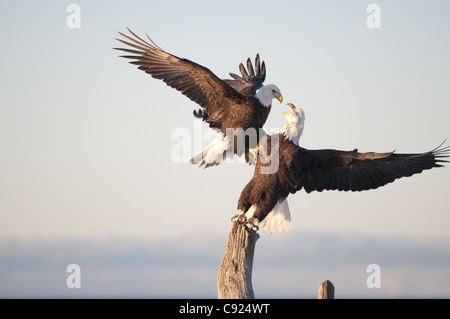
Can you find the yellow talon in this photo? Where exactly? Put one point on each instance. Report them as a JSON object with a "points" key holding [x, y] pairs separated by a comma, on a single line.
{"points": [[239, 217], [250, 225]]}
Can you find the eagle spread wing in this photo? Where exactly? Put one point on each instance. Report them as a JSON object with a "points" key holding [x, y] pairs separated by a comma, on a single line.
{"points": [[249, 82], [318, 170], [196, 82]]}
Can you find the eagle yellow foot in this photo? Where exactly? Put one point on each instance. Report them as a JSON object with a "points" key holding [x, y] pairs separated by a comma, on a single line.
{"points": [[250, 225], [239, 217]]}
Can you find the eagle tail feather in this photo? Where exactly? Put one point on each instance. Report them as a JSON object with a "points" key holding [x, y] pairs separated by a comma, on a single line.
{"points": [[278, 220], [214, 154]]}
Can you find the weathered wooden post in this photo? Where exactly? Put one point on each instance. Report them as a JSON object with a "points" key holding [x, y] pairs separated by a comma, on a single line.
{"points": [[235, 274], [326, 290]]}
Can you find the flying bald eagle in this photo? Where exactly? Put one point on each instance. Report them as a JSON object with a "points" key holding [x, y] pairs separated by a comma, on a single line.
{"points": [[264, 198], [230, 106]]}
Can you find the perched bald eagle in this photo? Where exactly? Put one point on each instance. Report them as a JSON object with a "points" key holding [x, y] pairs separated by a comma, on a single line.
{"points": [[230, 106], [264, 199]]}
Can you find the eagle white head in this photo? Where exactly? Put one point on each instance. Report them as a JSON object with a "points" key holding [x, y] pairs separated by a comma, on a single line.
{"points": [[293, 129], [267, 93]]}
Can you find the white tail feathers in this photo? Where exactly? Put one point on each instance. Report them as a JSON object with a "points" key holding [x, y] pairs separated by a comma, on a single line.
{"points": [[214, 153], [278, 220]]}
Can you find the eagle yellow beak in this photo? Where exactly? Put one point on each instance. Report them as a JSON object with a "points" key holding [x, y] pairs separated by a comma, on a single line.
{"points": [[279, 97], [291, 106]]}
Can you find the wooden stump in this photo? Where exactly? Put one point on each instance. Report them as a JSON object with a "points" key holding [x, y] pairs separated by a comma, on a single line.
{"points": [[326, 290], [235, 274]]}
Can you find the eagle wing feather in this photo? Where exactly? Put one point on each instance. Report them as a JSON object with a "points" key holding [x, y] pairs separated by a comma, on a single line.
{"points": [[250, 81], [318, 170], [196, 82]]}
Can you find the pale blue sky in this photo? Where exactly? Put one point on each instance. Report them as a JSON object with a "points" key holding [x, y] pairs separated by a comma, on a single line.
{"points": [[85, 137]]}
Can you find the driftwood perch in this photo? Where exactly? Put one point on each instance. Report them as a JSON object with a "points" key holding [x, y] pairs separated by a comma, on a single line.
{"points": [[326, 290], [235, 274]]}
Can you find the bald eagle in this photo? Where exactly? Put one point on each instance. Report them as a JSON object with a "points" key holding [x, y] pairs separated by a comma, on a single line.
{"points": [[230, 106], [264, 198]]}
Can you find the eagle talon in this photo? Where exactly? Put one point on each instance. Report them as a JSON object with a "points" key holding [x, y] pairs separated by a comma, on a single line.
{"points": [[251, 226], [198, 113], [240, 218]]}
